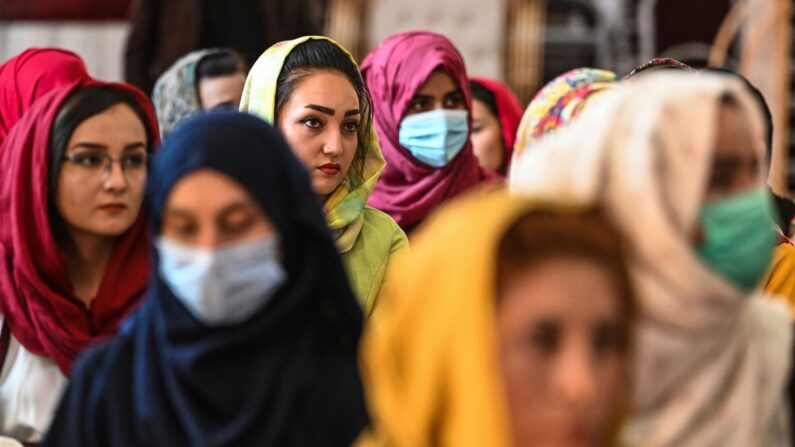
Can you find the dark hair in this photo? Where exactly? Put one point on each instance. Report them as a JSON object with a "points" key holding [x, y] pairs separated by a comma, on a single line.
{"points": [[321, 54], [486, 96], [78, 107], [224, 62], [541, 235]]}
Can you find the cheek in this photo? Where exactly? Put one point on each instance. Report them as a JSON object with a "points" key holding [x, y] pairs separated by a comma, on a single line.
{"points": [[72, 196], [303, 145]]}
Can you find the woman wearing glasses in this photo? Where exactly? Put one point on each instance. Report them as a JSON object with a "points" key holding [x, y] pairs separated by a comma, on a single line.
{"points": [[73, 258]]}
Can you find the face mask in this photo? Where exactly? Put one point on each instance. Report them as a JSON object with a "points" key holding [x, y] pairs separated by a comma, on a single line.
{"points": [[740, 237], [435, 137], [224, 286]]}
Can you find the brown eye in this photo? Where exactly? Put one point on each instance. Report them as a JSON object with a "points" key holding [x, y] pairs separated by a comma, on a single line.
{"points": [[179, 226], [312, 123], [544, 338], [237, 221], [609, 338], [454, 101]]}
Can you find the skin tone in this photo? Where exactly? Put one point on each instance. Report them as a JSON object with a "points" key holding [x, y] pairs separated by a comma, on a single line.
{"points": [[438, 92], [98, 203], [209, 209], [320, 120], [487, 142], [562, 352], [221, 91]]}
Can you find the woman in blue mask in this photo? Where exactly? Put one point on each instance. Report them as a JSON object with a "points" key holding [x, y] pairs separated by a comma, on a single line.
{"points": [[250, 330], [422, 107], [678, 161]]}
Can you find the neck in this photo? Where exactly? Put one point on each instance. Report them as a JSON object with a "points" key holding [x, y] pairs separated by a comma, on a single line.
{"points": [[87, 257]]}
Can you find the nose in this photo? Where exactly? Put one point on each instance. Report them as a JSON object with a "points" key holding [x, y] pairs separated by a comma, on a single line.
{"points": [[333, 144], [114, 179], [576, 376]]}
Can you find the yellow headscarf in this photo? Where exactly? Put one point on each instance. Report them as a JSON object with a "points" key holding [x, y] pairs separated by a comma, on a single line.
{"points": [[345, 204], [429, 354]]}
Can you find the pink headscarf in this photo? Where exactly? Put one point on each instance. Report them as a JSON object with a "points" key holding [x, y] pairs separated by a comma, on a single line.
{"points": [[409, 189], [509, 113], [32, 74]]}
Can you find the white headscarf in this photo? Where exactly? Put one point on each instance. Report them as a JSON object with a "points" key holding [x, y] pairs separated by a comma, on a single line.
{"points": [[712, 363]]}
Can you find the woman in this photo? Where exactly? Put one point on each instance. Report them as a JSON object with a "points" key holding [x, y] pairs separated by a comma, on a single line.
{"points": [[311, 89], [422, 106], [495, 118], [507, 326], [558, 102], [678, 162], [249, 333], [73, 257], [201, 80], [31, 75]]}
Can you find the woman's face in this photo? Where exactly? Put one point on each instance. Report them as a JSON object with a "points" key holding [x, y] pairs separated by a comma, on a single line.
{"points": [[209, 209], [96, 197], [487, 142], [320, 120], [735, 165], [221, 91], [438, 92], [563, 353]]}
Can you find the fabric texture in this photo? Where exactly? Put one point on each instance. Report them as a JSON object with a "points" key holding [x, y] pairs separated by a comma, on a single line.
{"points": [[780, 280], [176, 94], [712, 363], [558, 102], [36, 295], [287, 376], [394, 71], [431, 365], [509, 114], [346, 214], [31, 75], [661, 63]]}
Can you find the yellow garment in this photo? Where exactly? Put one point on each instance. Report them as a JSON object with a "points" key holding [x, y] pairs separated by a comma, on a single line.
{"points": [[781, 276], [429, 353]]}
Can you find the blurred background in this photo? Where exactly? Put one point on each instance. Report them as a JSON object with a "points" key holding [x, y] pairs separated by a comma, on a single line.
{"points": [[523, 42]]}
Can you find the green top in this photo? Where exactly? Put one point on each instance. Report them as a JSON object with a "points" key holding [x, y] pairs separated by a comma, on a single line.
{"points": [[368, 260]]}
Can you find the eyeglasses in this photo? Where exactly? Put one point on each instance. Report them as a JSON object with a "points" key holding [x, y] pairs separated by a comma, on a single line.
{"points": [[98, 161]]}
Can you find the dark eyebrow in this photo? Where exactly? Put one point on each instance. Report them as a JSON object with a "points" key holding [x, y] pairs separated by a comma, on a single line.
{"points": [[422, 97], [321, 109], [457, 91], [94, 146], [137, 145], [352, 112]]}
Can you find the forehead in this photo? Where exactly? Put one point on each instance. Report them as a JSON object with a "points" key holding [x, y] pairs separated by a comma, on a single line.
{"points": [[437, 84], [735, 135], [206, 190], [117, 122], [326, 88]]}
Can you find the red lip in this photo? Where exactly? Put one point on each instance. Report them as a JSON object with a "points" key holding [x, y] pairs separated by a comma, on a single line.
{"points": [[330, 168], [113, 207]]}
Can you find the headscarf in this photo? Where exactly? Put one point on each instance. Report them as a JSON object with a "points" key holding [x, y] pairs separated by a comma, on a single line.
{"points": [[345, 204], [712, 362], [37, 299], [176, 94], [558, 102], [509, 112], [431, 365], [661, 62], [286, 377], [394, 71], [29, 76]]}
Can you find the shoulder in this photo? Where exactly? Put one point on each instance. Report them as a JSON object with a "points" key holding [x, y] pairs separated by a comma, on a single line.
{"points": [[385, 225]]}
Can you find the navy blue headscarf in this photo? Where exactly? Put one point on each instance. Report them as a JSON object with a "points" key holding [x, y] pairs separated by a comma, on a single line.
{"points": [[286, 377]]}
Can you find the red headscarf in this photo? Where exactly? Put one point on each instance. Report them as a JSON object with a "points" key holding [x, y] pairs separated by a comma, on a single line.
{"points": [[409, 189], [37, 299], [29, 76], [509, 113]]}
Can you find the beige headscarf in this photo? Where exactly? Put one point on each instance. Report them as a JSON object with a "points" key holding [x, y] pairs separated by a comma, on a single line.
{"points": [[712, 363]]}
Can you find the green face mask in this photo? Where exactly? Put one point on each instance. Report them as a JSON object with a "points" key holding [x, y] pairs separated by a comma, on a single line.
{"points": [[740, 237]]}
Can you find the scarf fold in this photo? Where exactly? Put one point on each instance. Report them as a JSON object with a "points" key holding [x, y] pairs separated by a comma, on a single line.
{"points": [[394, 71], [712, 363], [345, 204], [31, 75], [36, 296]]}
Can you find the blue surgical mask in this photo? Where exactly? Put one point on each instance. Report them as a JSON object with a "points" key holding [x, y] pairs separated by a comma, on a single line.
{"points": [[435, 137], [225, 286], [740, 237]]}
